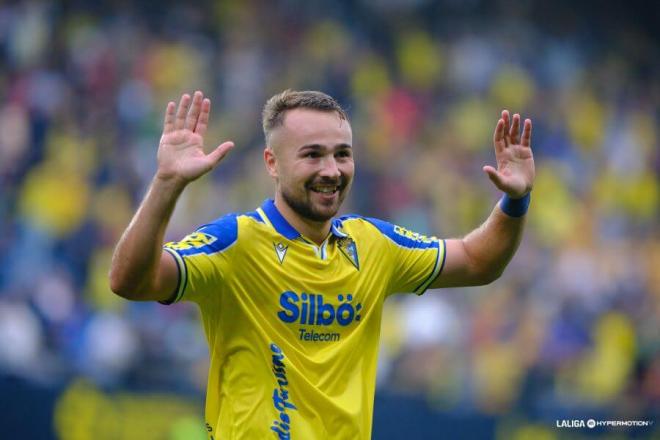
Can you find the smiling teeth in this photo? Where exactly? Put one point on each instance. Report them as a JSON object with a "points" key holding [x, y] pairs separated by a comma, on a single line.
{"points": [[326, 190]]}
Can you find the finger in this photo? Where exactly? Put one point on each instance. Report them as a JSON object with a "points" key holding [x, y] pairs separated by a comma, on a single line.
{"points": [[515, 129], [203, 121], [168, 124], [526, 140], [220, 152], [507, 122], [181, 112], [195, 109], [498, 136], [494, 176]]}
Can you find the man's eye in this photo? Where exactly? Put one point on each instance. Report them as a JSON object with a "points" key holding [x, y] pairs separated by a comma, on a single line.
{"points": [[312, 154], [344, 154]]}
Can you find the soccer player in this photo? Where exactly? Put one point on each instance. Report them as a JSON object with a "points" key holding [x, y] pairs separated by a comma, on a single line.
{"points": [[290, 295]]}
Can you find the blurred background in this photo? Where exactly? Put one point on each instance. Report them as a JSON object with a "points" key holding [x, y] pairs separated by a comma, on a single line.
{"points": [[571, 331]]}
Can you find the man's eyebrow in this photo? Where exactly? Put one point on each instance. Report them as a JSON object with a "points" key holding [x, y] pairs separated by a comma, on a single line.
{"points": [[316, 147]]}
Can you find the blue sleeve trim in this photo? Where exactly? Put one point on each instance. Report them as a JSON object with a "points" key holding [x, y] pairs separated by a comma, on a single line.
{"points": [[211, 238], [402, 236], [255, 215]]}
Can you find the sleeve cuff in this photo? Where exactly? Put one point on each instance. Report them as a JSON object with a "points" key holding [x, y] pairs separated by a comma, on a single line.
{"points": [[183, 278], [437, 268]]}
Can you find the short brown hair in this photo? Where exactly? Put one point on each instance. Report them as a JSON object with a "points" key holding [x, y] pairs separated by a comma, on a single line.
{"points": [[277, 106]]}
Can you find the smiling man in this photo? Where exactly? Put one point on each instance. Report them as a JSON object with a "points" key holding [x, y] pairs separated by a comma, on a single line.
{"points": [[310, 157], [291, 296]]}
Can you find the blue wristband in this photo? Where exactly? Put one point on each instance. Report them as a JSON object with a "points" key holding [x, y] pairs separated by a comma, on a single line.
{"points": [[515, 207]]}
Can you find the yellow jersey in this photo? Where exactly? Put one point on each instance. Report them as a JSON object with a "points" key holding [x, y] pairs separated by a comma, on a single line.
{"points": [[293, 327]]}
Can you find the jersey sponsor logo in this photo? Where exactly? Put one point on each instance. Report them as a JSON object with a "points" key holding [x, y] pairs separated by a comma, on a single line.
{"points": [[281, 398], [313, 336], [415, 236], [195, 240], [280, 250], [312, 309]]}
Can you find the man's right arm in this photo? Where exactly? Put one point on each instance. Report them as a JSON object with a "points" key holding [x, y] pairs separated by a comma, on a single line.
{"points": [[140, 270]]}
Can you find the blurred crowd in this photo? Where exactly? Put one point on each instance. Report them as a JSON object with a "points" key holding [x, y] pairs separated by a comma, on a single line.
{"points": [[571, 327]]}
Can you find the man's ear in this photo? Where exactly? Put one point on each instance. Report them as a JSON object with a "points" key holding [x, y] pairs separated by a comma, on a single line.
{"points": [[271, 162]]}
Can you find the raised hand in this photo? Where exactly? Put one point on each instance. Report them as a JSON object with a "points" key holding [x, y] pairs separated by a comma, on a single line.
{"points": [[515, 163], [181, 153]]}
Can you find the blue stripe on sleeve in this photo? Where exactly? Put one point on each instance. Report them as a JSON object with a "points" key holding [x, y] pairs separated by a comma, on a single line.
{"points": [[254, 215], [213, 237], [402, 236]]}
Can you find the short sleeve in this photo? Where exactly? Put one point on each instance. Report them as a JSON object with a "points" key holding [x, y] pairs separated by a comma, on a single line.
{"points": [[417, 260], [201, 259]]}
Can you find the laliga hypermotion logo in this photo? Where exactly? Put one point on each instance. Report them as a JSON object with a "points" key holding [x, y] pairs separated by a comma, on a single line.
{"points": [[311, 309]]}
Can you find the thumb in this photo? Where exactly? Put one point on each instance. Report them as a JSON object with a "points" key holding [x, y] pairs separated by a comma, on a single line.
{"points": [[220, 152], [494, 176]]}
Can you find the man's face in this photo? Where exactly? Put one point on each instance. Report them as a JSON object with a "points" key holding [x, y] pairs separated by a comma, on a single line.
{"points": [[311, 158]]}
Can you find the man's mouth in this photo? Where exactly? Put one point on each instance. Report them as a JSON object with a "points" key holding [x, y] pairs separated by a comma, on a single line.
{"points": [[325, 189]]}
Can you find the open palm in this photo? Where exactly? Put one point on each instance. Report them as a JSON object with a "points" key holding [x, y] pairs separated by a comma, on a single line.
{"points": [[181, 153], [515, 163]]}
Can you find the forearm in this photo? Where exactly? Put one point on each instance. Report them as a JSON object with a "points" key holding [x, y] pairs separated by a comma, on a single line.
{"points": [[137, 256], [481, 257], [491, 246]]}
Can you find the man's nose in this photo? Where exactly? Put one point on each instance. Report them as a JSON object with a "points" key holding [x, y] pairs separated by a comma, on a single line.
{"points": [[329, 168]]}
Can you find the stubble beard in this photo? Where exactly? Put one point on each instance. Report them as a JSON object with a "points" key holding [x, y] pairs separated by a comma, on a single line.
{"points": [[305, 207]]}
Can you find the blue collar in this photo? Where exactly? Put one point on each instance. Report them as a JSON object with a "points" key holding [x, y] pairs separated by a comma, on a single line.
{"points": [[284, 228]]}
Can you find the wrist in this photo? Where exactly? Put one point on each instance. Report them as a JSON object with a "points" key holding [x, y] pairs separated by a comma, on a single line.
{"points": [[168, 183], [515, 207]]}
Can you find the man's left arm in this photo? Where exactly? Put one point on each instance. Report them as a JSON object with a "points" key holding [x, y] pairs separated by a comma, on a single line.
{"points": [[481, 256]]}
